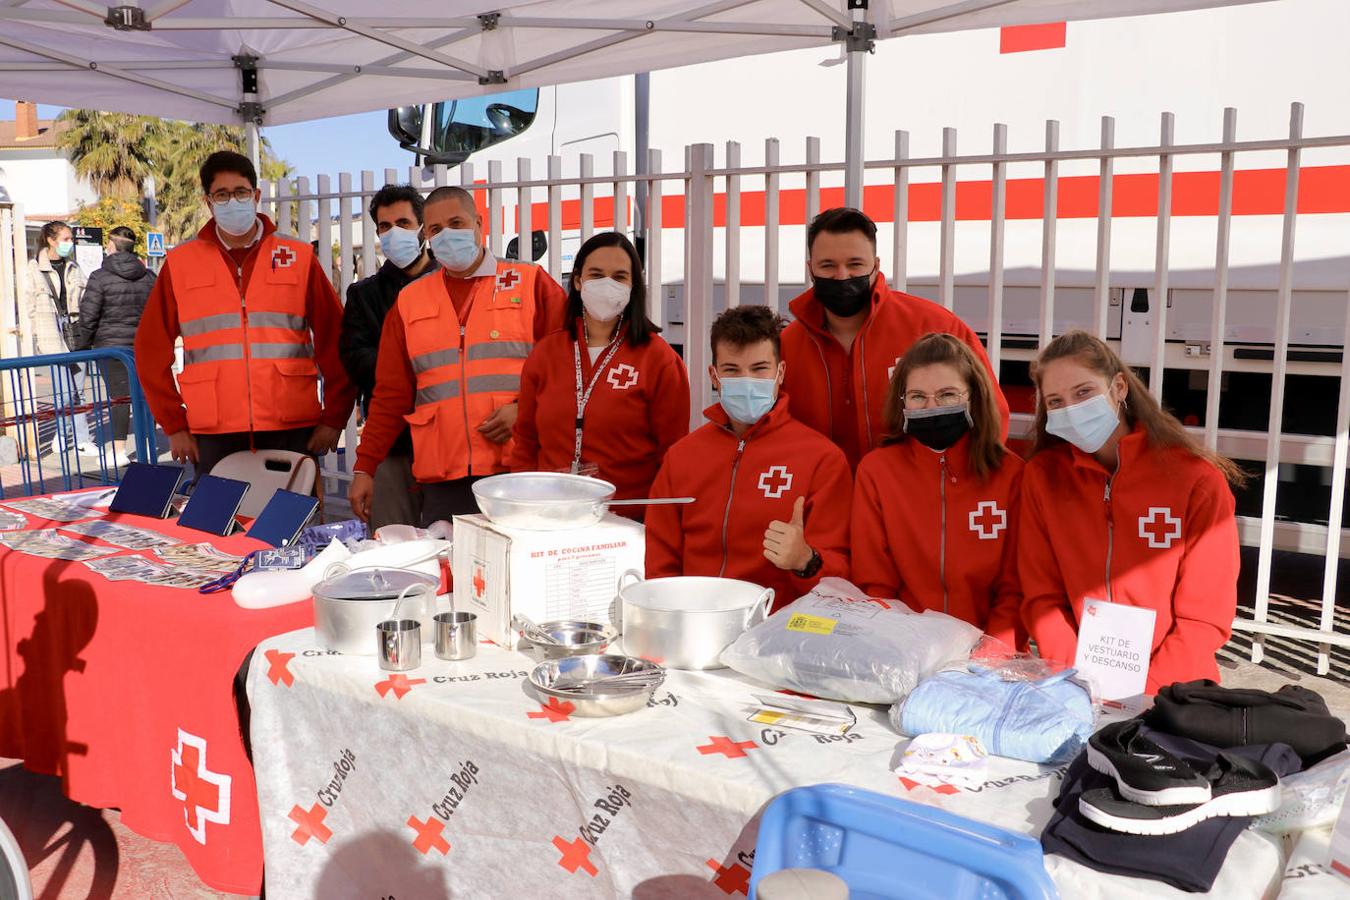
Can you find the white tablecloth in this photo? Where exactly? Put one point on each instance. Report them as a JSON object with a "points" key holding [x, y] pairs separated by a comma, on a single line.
{"points": [[453, 780]]}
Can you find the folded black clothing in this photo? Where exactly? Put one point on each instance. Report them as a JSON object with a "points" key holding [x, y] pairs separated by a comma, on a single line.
{"points": [[1189, 860], [1233, 717]]}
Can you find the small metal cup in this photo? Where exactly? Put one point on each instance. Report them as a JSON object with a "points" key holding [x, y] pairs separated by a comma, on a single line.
{"points": [[400, 643], [456, 635]]}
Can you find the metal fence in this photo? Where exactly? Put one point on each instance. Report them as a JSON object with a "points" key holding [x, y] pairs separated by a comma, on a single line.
{"points": [[64, 415]]}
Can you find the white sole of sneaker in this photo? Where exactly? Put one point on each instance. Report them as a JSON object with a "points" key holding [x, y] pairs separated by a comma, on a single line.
{"points": [[1175, 796], [1246, 803]]}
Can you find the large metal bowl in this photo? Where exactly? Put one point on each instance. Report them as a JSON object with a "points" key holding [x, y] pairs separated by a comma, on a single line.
{"points": [[551, 678], [572, 639], [685, 622], [542, 501]]}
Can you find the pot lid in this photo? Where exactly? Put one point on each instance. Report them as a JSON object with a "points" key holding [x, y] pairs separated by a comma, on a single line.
{"points": [[374, 584]]}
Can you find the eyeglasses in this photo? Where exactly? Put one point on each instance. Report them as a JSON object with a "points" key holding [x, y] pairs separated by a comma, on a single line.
{"points": [[223, 196], [949, 397]]}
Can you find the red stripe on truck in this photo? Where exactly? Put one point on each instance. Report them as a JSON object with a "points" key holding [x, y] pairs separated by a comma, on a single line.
{"points": [[1256, 192], [1021, 38]]}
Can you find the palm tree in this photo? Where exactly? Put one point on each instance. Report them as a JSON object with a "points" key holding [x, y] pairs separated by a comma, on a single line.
{"points": [[114, 151]]}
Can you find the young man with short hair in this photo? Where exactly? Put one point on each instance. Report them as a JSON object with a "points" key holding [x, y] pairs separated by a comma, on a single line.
{"points": [[449, 363], [259, 321], [771, 496], [396, 211], [851, 331]]}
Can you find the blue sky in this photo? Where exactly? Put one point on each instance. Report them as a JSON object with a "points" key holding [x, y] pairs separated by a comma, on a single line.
{"points": [[325, 146]]}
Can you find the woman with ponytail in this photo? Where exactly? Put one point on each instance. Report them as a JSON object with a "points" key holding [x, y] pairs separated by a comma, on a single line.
{"points": [[1120, 503]]}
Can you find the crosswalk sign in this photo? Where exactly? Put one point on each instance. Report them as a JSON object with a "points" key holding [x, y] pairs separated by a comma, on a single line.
{"points": [[154, 243]]}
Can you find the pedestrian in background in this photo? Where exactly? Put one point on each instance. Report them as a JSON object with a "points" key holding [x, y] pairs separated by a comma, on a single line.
{"points": [[110, 310], [52, 294]]}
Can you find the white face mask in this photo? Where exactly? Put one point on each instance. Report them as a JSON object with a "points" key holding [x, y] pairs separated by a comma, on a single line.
{"points": [[1087, 425], [604, 298], [235, 217]]}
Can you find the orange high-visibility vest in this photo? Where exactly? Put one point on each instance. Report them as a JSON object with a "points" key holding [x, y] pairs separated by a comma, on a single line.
{"points": [[248, 361], [465, 370]]}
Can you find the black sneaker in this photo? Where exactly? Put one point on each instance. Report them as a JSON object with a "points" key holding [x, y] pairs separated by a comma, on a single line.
{"points": [[1239, 787], [1144, 772]]}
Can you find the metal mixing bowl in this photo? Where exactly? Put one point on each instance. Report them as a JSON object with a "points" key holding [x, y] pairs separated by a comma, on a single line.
{"points": [[551, 678], [573, 639]]}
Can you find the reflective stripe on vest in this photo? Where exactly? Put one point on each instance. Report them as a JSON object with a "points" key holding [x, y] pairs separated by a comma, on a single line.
{"points": [[446, 390], [435, 359], [281, 351], [500, 350], [222, 322], [213, 354], [277, 320]]}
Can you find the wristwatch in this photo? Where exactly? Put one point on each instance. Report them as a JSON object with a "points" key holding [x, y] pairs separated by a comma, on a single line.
{"points": [[812, 566]]}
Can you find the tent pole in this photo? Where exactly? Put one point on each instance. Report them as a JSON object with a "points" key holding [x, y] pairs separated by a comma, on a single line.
{"points": [[642, 95], [254, 144], [858, 42]]}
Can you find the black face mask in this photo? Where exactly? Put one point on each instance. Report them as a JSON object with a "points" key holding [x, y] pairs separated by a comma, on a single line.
{"points": [[937, 428], [844, 296]]}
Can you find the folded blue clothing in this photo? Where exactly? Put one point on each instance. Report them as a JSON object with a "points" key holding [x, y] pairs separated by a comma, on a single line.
{"points": [[1044, 721]]}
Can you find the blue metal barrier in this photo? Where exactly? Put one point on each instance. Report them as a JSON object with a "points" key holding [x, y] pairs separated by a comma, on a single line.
{"points": [[52, 405]]}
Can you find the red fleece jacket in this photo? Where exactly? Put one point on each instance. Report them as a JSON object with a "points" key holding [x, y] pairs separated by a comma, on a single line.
{"points": [[740, 485], [1159, 533], [841, 393], [638, 408], [927, 531]]}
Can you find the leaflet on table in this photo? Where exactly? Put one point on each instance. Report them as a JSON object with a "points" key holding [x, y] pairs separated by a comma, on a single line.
{"points": [[200, 557], [49, 543], [138, 568], [54, 510], [128, 536], [12, 521], [801, 714], [88, 499], [1115, 643]]}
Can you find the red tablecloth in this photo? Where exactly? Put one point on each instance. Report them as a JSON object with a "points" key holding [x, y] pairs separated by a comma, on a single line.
{"points": [[125, 689]]}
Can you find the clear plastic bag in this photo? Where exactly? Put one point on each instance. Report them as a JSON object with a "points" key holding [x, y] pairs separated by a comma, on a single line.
{"points": [[840, 644], [1311, 798]]}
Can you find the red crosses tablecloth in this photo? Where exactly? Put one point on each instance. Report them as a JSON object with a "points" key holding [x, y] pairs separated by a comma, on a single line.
{"points": [[125, 690], [455, 780]]}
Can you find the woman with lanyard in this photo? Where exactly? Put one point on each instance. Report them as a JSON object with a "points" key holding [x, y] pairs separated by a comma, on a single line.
{"points": [[1120, 503], [55, 287], [935, 506], [606, 396]]}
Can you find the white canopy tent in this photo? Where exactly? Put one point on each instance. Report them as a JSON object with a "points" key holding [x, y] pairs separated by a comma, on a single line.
{"points": [[270, 62]]}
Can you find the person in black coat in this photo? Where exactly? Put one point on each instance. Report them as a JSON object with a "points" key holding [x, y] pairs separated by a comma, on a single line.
{"points": [[396, 211], [110, 311]]}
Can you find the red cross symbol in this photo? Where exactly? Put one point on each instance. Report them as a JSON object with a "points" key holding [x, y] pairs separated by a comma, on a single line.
{"points": [[775, 481], [732, 879], [622, 377], [428, 835], [311, 825], [399, 683], [508, 279], [205, 794], [282, 257], [727, 747], [277, 670], [987, 520], [940, 789], [1160, 528], [479, 583], [576, 854], [555, 710]]}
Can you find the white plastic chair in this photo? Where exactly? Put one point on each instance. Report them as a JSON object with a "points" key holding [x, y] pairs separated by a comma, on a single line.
{"points": [[268, 471], [14, 880]]}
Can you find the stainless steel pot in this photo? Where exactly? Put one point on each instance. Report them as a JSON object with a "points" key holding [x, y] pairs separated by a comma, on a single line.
{"points": [[685, 622], [546, 501], [351, 602]]}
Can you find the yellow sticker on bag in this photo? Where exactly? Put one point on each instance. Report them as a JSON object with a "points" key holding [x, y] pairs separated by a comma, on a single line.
{"points": [[812, 624]]}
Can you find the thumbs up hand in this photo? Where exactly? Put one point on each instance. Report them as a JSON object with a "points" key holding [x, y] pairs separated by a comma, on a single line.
{"points": [[785, 542]]}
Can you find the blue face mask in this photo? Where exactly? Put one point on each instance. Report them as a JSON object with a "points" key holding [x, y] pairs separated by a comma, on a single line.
{"points": [[401, 246], [235, 217], [747, 400], [65, 248], [1087, 425], [455, 248]]}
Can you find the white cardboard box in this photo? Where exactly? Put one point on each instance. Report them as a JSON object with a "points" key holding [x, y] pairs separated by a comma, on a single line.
{"points": [[547, 575]]}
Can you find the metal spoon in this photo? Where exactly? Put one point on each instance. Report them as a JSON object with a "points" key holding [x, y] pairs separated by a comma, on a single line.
{"points": [[526, 626]]}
